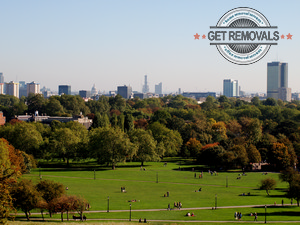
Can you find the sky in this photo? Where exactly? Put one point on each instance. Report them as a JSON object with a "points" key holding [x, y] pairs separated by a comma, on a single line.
{"points": [[116, 42]]}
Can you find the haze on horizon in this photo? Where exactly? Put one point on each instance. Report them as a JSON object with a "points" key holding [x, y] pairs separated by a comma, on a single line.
{"points": [[112, 43]]}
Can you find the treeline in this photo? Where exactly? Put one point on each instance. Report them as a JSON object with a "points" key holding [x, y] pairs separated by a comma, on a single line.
{"points": [[23, 194], [223, 132]]}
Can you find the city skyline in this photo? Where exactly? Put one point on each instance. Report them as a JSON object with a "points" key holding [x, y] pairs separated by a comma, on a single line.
{"points": [[81, 43]]}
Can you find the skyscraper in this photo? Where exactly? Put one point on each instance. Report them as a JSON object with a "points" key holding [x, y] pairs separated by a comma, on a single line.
{"points": [[277, 81], [230, 88], [1, 78], [12, 88], [33, 88], [145, 86], [64, 89], [125, 91], [158, 88], [22, 89]]}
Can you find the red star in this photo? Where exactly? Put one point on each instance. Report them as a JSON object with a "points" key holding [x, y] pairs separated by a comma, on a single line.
{"points": [[282, 36], [289, 36], [203, 36], [196, 36]]}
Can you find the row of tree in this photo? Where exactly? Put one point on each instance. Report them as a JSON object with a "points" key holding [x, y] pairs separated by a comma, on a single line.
{"points": [[223, 132]]}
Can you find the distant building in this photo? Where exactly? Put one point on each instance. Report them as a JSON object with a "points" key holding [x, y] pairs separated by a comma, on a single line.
{"points": [[48, 119], [285, 94], [1, 78], [33, 88], [22, 89], [12, 88], [230, 88], [64, 89], [94, 90], [158, 89], [296, 96], [198, 95], [140, 95], [125, 91], [277, 81], [145, 86], [1, 89], [85, 94]]}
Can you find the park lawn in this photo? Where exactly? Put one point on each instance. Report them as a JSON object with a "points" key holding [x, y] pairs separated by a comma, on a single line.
{"points": [[148, 187]]}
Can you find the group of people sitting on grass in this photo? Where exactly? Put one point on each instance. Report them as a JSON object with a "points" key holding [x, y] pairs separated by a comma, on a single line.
{"points": [[177, 205], [189, 214]]}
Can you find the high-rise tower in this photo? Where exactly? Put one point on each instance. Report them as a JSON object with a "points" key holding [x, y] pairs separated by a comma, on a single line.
{"points": [[277, 81], [230, 88], [145, 86]]}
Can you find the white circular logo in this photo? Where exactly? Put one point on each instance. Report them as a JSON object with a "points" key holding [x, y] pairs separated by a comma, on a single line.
{"points": [[243, 36]]}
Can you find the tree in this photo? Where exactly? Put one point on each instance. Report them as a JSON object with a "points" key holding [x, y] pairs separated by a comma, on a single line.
{"points": [[53, 107], [146, 145], [25, 196], [65, 143], [110, 145], [194, 147], [171, 140], [294, 190], [50, 190], [253, 154], [268, 184], [36, 102], [23, 136]]}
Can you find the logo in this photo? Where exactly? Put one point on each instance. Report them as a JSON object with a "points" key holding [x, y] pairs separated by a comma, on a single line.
{"points": [[243, 36]]}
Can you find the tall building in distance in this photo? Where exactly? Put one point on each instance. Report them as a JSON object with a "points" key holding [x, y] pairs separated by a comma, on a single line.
{"points": [[230, 88], [12, 88], [94, 90], [1, 89], [125, 91], [1, 78], [145, 86], [277, 81], [33, 88], [158, 88], [22, 89], [85, 93], [64, 89]]}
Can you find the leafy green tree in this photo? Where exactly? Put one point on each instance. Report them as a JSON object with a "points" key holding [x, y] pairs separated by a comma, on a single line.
{"points": [[23, 136], [294, 190], [129, 122], [170, 139], [161, 116], [64, 143], [268, 184], [252, 129], [53, 107], [36, 102], [255, 101], [110, 145], [253, 154], [117, 103], [146, 145], [241, 156], [100, 106], [25, 196], [270, 102]]}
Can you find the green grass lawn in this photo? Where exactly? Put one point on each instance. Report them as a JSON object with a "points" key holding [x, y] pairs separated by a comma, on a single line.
{"points": [[142, 186]]}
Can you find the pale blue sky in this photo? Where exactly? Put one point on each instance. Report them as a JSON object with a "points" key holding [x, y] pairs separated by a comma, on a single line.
{"points": [[117, 42]]}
